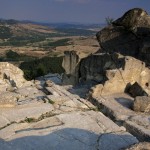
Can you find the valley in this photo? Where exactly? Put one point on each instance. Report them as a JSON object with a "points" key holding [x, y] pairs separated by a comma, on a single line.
{"points": [[25, 44]]}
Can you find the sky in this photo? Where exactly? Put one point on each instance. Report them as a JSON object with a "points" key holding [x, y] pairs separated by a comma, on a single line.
{"points": [[68, 11]]}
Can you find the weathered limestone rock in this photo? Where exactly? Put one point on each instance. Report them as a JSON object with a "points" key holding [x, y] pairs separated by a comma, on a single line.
{"points": [[11, 75], [29, 92], [70, 64], [24, 113], [70, 61], [118, 80], [75, 130], [113, 70], [142, 104], [59, 121], [128, 35], [118, 107], [93, 67], [8, 99], [11, 78]]}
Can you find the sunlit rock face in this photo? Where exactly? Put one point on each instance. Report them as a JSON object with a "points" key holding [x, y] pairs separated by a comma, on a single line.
{"points": [[119, 80], [70, 64], [10, 76]]}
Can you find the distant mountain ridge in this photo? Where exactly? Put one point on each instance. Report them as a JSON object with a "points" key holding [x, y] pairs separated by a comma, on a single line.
{"points": [[58, 24], [21, 33]]}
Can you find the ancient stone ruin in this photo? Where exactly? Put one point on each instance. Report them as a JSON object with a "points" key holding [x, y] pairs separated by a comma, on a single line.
{"points": [[101, 102]]}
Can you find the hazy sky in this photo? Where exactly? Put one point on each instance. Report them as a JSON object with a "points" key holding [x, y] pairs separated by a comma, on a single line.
{"points": [[83, 11]]}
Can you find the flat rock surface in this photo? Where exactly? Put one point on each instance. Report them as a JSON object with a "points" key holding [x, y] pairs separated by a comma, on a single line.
{"points": [[58, 120], [76, 130], [20, 113]]}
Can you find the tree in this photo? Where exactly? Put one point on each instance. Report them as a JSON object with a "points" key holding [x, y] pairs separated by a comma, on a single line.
{"points": [[109, 20]]}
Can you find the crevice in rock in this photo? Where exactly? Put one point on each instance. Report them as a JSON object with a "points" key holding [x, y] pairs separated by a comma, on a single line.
{"points": [[33, 129], [31, 120]]}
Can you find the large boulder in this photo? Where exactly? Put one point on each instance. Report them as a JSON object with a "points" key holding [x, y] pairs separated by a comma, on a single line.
{"points": [[135, 19], [128, 35]]}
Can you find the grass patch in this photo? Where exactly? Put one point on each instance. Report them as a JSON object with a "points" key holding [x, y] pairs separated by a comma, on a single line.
{"points": [[30, 120], [50, 101]]}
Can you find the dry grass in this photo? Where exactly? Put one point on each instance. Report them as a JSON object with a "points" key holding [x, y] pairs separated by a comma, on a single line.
{"points": [[81, 45]]}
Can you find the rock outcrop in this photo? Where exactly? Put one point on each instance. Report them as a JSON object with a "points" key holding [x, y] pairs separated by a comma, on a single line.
{"points": [[128, 35], [93, 68], [10, 76], [118, 74], [71, 64]]}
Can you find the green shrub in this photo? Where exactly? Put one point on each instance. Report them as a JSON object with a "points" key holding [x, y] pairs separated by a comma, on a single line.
{"points": [[43, 66], [12, 54], [5, 32], [109, 20]]}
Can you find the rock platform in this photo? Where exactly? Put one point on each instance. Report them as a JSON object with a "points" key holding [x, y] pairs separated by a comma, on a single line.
{"points": [[56, 119]]}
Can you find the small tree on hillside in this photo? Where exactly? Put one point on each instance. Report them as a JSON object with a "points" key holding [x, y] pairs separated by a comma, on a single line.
{"points": [[109, 20]]}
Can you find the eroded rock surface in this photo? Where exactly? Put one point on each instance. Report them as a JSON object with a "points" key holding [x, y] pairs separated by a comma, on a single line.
{"points": [[71, 63], [47, 116], [119, 108], [119, 80], [10, 76], [8, 99]]}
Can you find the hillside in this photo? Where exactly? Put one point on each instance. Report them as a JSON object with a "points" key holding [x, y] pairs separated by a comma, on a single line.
{"points": [[30, 45], [35, 39]]}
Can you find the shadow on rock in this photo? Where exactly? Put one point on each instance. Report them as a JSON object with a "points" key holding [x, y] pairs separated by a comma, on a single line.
{"points": [[69, 139], [126, 102]]}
